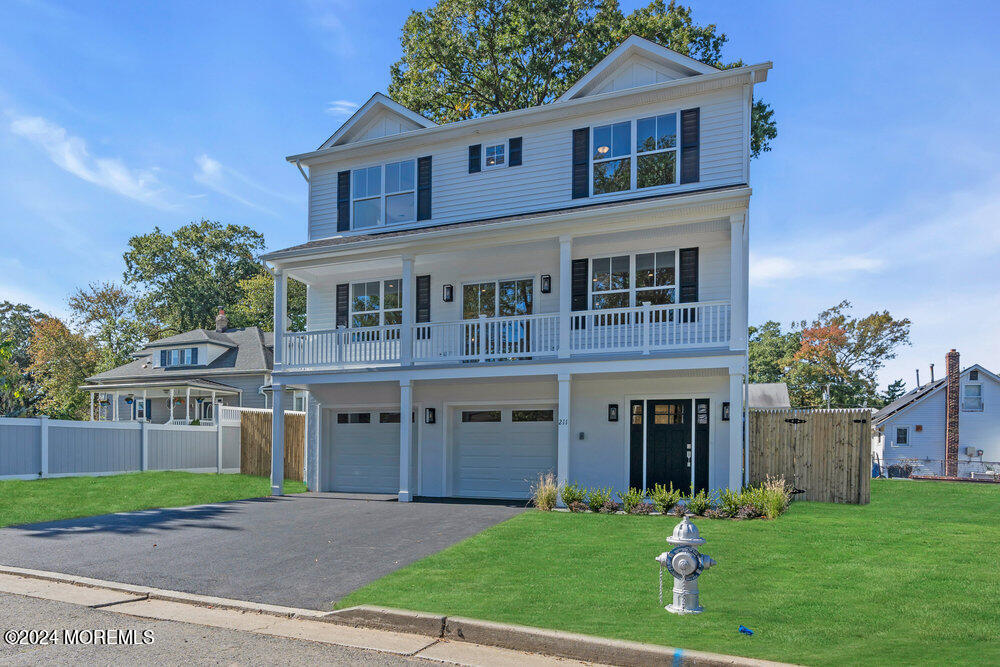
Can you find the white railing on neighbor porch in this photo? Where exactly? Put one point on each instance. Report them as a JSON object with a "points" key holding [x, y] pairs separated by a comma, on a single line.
{"points": [[641, 329]]}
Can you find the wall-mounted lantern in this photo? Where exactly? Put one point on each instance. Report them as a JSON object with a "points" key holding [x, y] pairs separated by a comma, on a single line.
{"points": [[612, 412], [430, 415], [447, 293], [725, 411], [546, 284], [128, 400]]}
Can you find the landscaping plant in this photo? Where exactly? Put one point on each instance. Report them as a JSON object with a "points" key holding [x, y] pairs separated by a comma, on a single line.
{"points": [[572, 493], [775, 494], [699, 503], [631, 498], [665, 498], [577, 506], [610, 507], [545, 492], [597, 497], [641, 508]]}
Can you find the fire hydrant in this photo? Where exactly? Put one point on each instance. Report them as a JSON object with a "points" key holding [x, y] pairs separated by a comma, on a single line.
{"points": [[685, 564]]}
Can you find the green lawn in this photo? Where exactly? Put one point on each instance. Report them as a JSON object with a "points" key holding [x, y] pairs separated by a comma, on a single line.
{"points": [[914, 577], [31, 501]]}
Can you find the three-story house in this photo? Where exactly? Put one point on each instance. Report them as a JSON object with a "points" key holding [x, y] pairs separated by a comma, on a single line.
{"points": [[560, 288]]}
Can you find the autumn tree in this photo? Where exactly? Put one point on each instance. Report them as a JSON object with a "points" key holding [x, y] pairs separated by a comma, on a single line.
{"points": [[255, 306], [467, 58], [106, 312], [61, 361]]}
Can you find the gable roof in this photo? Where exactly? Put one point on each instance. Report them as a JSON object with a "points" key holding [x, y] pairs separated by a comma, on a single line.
{"points": [[922, 392], [630, 48], [376, 104], [250, 351]]}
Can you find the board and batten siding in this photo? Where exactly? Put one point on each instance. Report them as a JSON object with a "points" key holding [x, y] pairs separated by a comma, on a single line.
{"points": [[543, 180], [531, 260]]}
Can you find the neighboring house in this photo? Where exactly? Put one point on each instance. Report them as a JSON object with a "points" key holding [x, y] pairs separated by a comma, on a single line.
{"points": [[560, 288], [180, 378], [768, 395], [949, 426]]}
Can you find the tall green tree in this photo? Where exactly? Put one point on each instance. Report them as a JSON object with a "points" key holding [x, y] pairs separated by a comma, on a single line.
{"points": [[467, 58], [16, 322], [61, 361], [183, 277], [106, 312], [255, 307], [771, 350]]}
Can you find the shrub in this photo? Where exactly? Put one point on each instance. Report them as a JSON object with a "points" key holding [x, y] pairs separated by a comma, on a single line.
{"points": [[775, 495], [597, 497], [577, 506], [545, 492], [631, 498], [748, 511], [665, 498], [609, 507], [641, 508], [572, 493], [730, 502], [698, 503]]}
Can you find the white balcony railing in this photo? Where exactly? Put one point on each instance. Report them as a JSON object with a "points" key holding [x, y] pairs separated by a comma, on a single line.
{"points": [[642, 329]]}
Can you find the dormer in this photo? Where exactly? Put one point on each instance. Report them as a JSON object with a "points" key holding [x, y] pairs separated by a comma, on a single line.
{"points": [[636, 62], [189, 354], [378, 117]]}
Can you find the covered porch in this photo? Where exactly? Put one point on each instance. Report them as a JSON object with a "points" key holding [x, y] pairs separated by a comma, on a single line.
{"points": [[162, 402]]}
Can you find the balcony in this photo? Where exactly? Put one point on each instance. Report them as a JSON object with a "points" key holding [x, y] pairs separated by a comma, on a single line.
{"points": [[639, 330]]}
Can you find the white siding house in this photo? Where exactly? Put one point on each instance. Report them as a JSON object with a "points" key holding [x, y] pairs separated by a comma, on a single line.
{"points": [[561, 288]]}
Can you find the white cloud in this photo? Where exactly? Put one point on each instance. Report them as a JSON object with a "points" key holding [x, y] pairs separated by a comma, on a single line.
{"points": [[770, 269], [70, 153], [341, 108], [326, 15], [231, 183]]}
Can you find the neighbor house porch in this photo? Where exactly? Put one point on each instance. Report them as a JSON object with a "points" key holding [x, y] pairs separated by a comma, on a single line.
{"points": [[160, 402]]}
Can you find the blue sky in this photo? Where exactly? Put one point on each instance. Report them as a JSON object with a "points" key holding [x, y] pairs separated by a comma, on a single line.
{"points": [[883, 187]]}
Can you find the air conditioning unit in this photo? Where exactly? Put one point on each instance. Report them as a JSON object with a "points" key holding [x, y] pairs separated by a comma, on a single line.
{"points": [[972, 451]]}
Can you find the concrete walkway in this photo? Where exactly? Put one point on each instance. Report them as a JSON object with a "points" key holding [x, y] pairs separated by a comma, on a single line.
{"points": [[304, 550]]}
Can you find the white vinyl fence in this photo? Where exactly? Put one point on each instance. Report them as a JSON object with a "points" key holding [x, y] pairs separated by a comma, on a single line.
{"points": [[42, 447]]}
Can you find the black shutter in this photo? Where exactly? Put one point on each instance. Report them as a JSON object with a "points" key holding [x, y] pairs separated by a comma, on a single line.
{"points": [[424, 188], [701, 444], [163, 357], [343, 201], [514, 152], [475, 158], [194, 356], [689, 281], [581, 160], [690, 145], [635, 444], [148, 412], [578, 279], [423, 309], [342, 302]]}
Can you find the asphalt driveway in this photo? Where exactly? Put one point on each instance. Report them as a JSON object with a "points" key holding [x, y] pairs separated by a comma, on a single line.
{"points": [[304, 550]]}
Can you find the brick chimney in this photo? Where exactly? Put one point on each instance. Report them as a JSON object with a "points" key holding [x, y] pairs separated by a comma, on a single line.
{"points": [[222, 323], [951, 415]]}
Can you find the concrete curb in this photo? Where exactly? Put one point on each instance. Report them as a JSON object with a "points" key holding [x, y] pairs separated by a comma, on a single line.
{"points": [[533, 640]]}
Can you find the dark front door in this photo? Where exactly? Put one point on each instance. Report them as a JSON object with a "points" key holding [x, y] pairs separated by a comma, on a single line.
{"points": [[668, 443]]}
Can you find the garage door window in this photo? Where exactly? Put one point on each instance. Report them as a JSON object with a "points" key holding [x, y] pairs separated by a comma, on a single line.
{"points": [[532, 415], [478, 416], [354, 418], [388, 418]]}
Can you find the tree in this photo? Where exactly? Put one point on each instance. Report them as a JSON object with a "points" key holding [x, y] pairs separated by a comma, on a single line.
{"points": [[255, 306], [16, 321], [182, 278], [895, 389], [845, 354], [467, 58], [61, 361], [106, 312], [16, 391], [770, 351]]}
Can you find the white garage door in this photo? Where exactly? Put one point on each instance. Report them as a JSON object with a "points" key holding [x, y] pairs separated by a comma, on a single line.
{"points": [[361, 451], [499, 451]]}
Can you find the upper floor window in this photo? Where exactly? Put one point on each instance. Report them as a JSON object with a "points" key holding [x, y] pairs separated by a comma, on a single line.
{"points": [[376, 303], [617, 168], [495, 156], [655, 280], [182, 357], [384, 195], [972, 397], [902, 436]]}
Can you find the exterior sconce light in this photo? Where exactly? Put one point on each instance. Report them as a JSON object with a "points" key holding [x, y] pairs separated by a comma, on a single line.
{"points": [[447, 293], [725, 411], [430, 415], [612, 412], [128, 400], [546, 284]]}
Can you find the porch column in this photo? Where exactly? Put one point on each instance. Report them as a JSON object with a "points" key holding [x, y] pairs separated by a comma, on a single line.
{"points": [[115, 409], [406, 334], [187, 406], [736, 438], [277, 440], [405, 439], [145, 406], [562, 455], [738, 263], [171, 405], [214, 408], [280, 309], [93, 416], [565, 292]]}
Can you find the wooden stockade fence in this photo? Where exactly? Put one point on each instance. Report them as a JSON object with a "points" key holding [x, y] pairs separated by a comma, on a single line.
{"points": [[255, 443], [826, 453]]}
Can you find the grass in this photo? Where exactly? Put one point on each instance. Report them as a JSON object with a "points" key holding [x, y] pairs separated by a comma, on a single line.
{"points": [[31, 501], [914, 577]]}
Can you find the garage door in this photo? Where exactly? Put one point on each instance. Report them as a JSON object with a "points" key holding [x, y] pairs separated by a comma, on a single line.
{"points": [[498, 452], [361, 451]]}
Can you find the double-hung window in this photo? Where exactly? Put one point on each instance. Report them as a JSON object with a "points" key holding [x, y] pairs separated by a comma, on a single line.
{"points": [[495, 156], [656, 149], [617, 166], [617, 282], [610, 282], [367, 192], [181, 357], [972, 397], [375, 303], [384, 195], [612, 158], [400, 192], [902, 436], [655, 278]]}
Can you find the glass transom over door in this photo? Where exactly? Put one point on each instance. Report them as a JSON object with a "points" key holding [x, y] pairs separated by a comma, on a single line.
{"points": [[498, 299]]}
